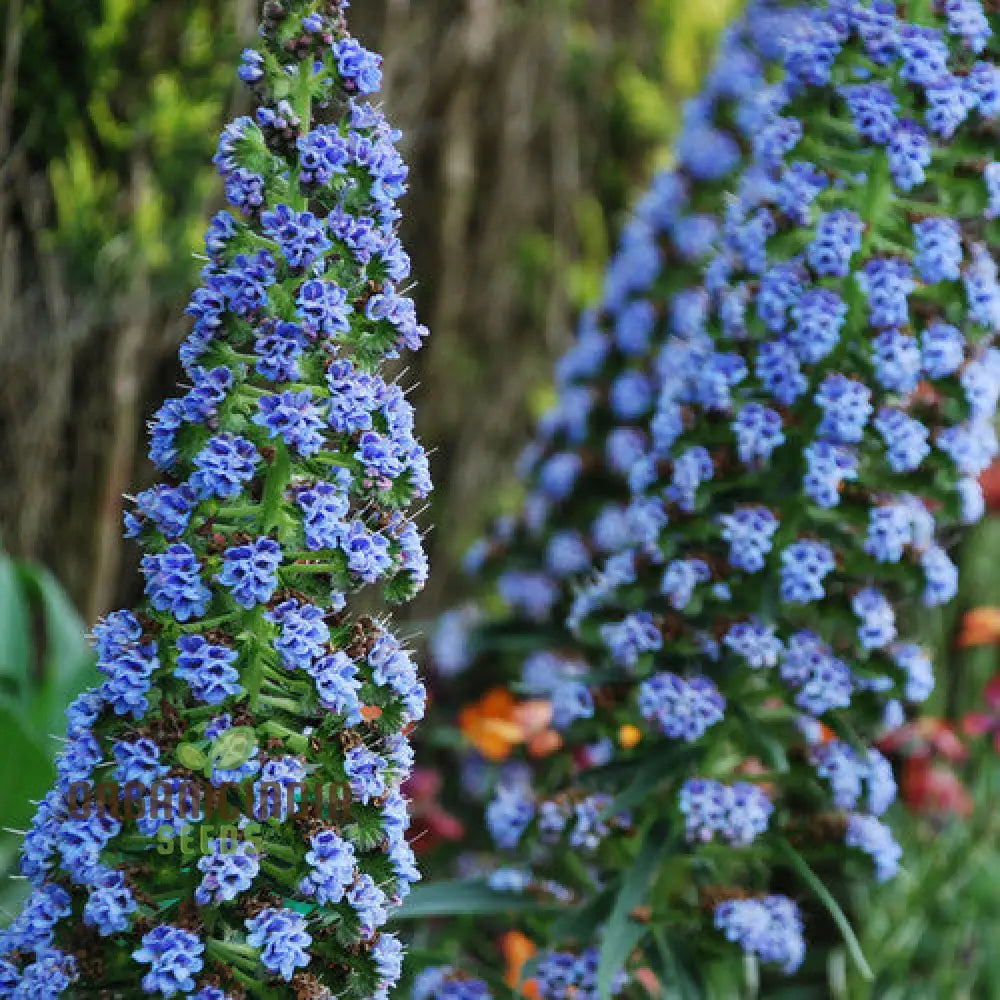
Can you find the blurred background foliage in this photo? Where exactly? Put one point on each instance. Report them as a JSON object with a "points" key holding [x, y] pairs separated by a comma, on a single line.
{"points": [[530, 124]]}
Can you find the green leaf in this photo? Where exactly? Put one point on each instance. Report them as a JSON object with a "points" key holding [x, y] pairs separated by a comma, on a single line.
{"points": [[15, 630], [189, 756], [771, 748], [622, 933], [832, 906], [678, 981], [662, 762], [68, 663], [460, 897], [232, 748], [29, 767]]}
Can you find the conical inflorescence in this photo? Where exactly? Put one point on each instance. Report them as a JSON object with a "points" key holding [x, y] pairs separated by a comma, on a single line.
{"points": [[766, 440], [227, 820]]}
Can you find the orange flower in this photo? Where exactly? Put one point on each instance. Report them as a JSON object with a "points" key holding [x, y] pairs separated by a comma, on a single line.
{"points": [[489, 724], [517, 948], [629, 736], [497, 723], [980, 627]]}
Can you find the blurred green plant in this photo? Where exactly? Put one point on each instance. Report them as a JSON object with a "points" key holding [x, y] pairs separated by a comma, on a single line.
{"points": [[119, 101], [45, 661]]}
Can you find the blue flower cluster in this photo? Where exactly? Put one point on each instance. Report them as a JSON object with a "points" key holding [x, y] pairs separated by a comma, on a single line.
{"points": [[791, 378], [292, 467]]}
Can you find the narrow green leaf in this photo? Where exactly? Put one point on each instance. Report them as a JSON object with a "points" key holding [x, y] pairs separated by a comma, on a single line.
{"points": [[622, 933], [678, 982], [459, 897], [833, 908], [661, 763]]}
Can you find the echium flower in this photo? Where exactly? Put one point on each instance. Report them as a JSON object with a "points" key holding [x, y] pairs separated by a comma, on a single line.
{"points": [[818, 394], [228, 819]]}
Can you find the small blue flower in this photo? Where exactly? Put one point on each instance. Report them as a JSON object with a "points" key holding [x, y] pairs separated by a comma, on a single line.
{"points": [[758, 431], [337, 685], [294, 417], [304, 634], [322, 307], [770, 928], [109, 904], [906, 439], [755, 642], [682, 709], [749, 531], [508, 815], [680, 579], [369, 904], [820, 680], [870, 835], [228, 871], [332, 865], [873, 109], [779, 371], [878, 620], [358, 66], [938, 249], [738, 813], [846, 405], [282, 938], [250, 572], [828, 467], [941, 576], [818, 319], [886, 283], [924, 52], [942, 350], [225, 464], [174, 957], [897, 361], [278, 348], [208, 669], [366, 773], [909, 154], [174, 583], [948, 105], [691, 468]]}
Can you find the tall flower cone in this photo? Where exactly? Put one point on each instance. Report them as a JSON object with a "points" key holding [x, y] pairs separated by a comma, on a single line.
{"points": [[800, 448], [227, 820]]}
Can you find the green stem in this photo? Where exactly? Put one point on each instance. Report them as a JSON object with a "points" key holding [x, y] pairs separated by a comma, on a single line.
{"points": [[253, 624], [296, 741], [303, 108], [310, 568], [287, 704], [210, 622], [274, 487], [246, 510]]}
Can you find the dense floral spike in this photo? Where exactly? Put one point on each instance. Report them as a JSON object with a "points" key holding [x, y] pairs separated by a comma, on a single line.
{"points": [[785, 458], [228, 820]]}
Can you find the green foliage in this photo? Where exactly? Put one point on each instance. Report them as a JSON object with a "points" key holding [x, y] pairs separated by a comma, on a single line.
{"points": [[120, 102], [45, 662], [932, 933]]}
